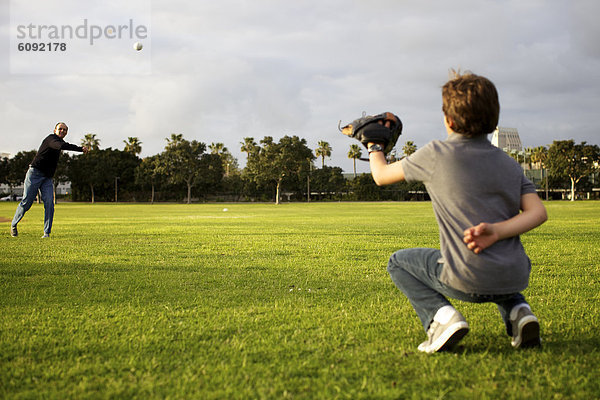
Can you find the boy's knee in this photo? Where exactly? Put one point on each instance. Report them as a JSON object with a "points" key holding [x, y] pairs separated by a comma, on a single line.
{"points": [[390, 266], [393, 261]]}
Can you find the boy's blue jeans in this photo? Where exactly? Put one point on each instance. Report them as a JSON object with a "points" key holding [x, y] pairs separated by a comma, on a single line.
{"points": [[35, 180], [416, 273]]}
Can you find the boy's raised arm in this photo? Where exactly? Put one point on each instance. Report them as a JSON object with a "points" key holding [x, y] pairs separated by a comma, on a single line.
{"points": [[384, 173]]}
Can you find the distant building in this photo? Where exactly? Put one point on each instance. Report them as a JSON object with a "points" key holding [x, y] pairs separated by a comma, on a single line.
{"points": [[350, 175], [61, 189], [4, 155], [5, 189], [507, 139]]}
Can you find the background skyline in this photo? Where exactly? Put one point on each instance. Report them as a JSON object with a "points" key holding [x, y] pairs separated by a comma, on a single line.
{"points": [[224, 71]]}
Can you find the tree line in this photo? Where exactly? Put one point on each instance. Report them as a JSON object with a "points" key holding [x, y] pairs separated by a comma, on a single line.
{"points": [[189, 170], [565, 165]]}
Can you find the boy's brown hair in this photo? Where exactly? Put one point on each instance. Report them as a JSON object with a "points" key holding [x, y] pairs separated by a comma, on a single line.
{"points": [[471, 103]]}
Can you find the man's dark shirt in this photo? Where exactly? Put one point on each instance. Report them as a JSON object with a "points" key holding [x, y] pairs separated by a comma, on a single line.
{"points": [[46, 158]]}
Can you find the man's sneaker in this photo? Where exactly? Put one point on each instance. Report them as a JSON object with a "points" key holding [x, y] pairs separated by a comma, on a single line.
{"points": [[13, 231], [525, 327], [446, 330], [45, 235]]}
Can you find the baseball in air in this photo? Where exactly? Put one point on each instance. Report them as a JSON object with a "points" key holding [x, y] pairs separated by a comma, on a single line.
{"points": [[137, 46]]}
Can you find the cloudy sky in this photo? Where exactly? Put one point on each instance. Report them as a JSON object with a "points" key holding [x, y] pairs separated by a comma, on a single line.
{"points": [[219, 71]]}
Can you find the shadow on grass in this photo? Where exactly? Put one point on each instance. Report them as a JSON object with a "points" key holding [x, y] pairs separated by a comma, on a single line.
{"points": [[555, 346]]}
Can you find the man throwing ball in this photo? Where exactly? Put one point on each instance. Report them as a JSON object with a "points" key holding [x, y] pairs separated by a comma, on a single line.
{"points": [[39, 177]]}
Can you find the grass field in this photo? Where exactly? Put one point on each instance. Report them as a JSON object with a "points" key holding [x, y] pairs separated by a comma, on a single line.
{"points": [[275, 302]]}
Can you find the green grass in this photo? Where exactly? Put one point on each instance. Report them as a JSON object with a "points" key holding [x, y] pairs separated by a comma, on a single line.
{"points": [[265, 301]]}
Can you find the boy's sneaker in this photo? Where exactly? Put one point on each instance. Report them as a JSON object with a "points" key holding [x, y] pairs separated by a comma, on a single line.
{"points": [[13, 231], [45, 235], [525, 327], [446, 330]]}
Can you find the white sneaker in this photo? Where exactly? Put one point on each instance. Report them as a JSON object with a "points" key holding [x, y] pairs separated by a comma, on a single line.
{"points": [[525, 327], [45, 235], [446, 330]]}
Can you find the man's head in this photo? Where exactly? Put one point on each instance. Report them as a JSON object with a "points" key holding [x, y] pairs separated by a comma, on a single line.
{"points": [[470, 104], [61, 129]]}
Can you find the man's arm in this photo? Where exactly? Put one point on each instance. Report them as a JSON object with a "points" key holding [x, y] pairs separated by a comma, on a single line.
{"points": [[482, 236], [384, 173], [57, 143], [73, 147]]}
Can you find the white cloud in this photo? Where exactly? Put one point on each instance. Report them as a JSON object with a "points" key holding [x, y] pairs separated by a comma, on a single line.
{"points": [[225, 70]]}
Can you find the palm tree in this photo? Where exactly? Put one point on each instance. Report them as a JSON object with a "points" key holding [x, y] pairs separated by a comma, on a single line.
{"points": [[175, 139], [539, 156], [354, 153], [227, 159], [90, 141], [248, 145], [217, 148], [133, 145], [409, 148], [324, 150], [527, 156]]}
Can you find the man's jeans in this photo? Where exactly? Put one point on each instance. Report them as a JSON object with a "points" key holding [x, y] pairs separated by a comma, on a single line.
{"points": [[35, 180], [416, 273]]}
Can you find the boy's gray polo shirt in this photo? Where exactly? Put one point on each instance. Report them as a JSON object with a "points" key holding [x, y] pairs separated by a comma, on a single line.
{"points": [[471, 181]]}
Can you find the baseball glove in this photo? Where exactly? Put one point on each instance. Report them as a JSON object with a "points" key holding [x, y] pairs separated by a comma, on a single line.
{"points": [[372, 129]]}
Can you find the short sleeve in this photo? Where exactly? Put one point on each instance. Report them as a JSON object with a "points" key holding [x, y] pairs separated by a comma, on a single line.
{"points": [[527, 186], [419, 166]]}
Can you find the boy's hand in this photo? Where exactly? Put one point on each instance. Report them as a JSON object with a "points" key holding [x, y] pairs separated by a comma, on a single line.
{"points": [[480, 237]]}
